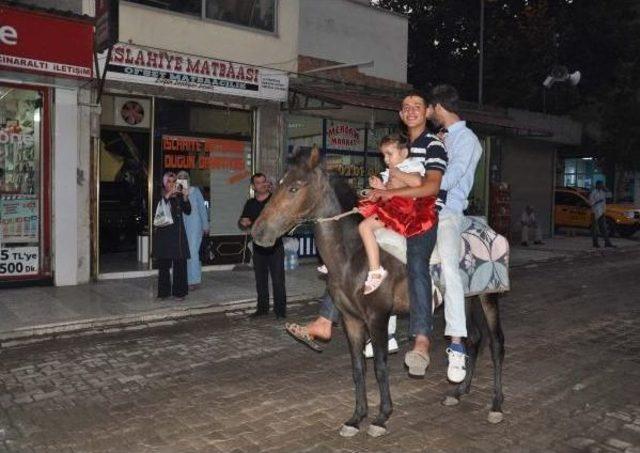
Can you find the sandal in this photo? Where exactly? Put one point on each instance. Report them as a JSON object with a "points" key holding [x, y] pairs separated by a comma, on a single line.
{"points": [[301, 333], [374, 280], [417, 363], [323, 269]]}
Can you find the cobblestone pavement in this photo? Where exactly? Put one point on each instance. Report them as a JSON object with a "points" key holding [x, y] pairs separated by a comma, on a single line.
{"points": [[572, 381]]}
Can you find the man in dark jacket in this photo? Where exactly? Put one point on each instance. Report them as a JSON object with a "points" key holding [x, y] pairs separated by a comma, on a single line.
{"points": [[266, 260]]}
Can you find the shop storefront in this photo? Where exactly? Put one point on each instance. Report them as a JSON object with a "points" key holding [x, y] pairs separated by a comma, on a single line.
{"points": [[167, 111], [39, 77]]}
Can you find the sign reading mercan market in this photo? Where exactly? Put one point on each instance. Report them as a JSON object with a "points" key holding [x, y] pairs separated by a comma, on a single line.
{"points": [[176, 70]]}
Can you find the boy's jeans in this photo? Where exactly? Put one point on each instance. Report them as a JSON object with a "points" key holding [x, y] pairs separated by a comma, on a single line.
{"points": [[419, 249], [450, 227]]}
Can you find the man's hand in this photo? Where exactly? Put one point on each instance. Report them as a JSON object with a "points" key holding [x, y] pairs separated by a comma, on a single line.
{"points": [[376, 183], [378, 194], [205, 233], [394, 172], [245, 222]]}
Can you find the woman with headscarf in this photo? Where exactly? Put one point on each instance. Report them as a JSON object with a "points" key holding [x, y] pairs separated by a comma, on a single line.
{"points": [[197, 226], [170, 245]]}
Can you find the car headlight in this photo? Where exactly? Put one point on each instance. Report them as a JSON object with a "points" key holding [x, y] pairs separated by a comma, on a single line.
{"points": [[629, 214]]}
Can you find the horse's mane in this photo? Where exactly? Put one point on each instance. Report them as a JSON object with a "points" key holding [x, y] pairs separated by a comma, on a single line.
{"points": [[347, 196]]}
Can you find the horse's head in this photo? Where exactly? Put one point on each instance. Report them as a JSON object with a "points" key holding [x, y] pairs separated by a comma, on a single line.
{"points": [[299, 196]]}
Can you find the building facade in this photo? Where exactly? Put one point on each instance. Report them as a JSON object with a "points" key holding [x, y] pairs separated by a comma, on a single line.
{"points": [[191, 86], [45, 95]]}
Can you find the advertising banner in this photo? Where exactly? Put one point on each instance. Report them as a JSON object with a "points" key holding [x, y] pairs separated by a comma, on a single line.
{"points": [[19, 219], [177, 70], [41, 43]]}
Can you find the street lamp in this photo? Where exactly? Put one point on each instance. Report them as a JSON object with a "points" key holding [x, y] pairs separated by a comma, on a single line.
{"points": [[558, 74]]}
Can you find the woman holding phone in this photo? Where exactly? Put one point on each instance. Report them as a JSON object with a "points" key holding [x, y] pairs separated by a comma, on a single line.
{"points": [[170, 245]]}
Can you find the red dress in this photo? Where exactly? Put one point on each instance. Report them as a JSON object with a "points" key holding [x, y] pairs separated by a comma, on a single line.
{"points": [[407, 216]]}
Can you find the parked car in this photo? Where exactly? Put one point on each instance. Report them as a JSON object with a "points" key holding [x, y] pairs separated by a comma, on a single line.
{"points": [[573, 210]]}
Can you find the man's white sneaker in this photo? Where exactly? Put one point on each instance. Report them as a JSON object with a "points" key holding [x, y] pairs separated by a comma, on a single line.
{"points": [[392, 347], [323, 269], [457, 367]]}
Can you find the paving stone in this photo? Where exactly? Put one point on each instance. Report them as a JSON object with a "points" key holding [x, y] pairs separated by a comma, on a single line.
{"points": [[619, 444], [238, 385]]}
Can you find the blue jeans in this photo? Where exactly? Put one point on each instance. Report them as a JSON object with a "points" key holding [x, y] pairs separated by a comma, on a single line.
{"points": [[327, 309], [419, 250]]}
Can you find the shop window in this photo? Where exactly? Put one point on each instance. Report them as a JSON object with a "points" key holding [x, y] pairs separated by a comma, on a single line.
{"points": [[192, 7], [581, 173], [374, 162], [258, 14], [345, 151], [215, 146], [20, 191]]}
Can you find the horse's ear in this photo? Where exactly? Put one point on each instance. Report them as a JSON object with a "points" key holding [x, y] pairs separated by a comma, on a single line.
{"points": [[314, 157]]}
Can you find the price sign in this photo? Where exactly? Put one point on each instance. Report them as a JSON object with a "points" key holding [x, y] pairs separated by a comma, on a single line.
{"points": [[18, 261]]}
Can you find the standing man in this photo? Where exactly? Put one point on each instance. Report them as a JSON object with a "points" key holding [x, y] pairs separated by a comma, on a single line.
{"points": [[528, 222], [598, 201], [266, 260], [464, 151]]}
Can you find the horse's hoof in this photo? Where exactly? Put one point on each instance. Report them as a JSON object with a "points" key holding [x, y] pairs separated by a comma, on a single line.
{"points": [[495, 417], [451, 401], [376, 430], [348, 431]]}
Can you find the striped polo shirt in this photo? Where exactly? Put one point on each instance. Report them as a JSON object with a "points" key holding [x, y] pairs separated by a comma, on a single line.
{"points": [[430, 150]]}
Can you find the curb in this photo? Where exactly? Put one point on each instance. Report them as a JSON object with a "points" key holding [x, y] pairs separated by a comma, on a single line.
{"points": [[130, 322]]}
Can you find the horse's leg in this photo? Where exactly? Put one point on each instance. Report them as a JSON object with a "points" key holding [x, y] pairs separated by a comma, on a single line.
{"points": [[355, 329], [379, 339], [474, 338], [496, 342]]}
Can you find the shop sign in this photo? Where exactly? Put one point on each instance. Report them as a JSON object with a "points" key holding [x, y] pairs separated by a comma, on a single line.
{"points": [[41, 43], [107, 13], [19, 218], [18, 261], [176, 70], [182, 152], [343, 136]]}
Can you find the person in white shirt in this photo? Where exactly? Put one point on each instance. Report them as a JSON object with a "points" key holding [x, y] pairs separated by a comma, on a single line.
{"points": [[529, 222], [598, 202], [464, 151]]}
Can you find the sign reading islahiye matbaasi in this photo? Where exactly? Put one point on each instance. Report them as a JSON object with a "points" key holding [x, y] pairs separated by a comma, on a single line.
{"points": [[130, 63]]}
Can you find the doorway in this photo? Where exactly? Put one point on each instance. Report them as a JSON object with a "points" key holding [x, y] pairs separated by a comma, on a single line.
{"points": [[123, 200]]}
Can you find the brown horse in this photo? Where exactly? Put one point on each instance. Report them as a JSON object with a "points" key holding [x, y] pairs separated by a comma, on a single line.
{"points": [[308, 193]]}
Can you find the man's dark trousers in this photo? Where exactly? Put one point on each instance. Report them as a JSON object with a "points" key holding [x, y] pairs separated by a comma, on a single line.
{"points": [[270, 261], [600, 224]]}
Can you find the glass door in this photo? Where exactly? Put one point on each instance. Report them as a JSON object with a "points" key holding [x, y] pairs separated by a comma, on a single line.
{"points": [[24, 247]]}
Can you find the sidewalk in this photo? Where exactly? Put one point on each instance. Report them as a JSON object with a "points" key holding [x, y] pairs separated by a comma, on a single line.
{"points": [[32, 314]]}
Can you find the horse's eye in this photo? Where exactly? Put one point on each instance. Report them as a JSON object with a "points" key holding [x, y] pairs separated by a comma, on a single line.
{"points": [[296, 186]]}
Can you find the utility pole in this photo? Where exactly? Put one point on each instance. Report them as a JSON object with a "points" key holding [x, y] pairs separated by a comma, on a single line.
{"points": [[481, 62]]}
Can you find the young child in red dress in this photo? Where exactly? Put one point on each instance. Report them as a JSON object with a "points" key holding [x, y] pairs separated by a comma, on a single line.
{"points": [[407, 216]]}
